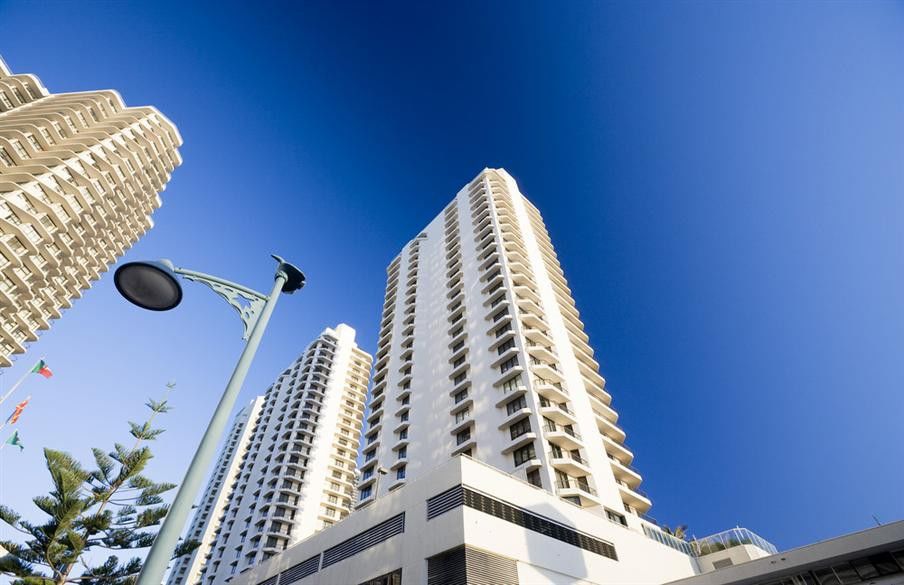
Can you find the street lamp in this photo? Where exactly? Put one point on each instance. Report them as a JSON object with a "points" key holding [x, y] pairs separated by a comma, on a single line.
{"points": [[154, 286]]}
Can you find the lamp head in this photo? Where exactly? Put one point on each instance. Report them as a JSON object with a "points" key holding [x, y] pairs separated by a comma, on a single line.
{"points": [[150, 285], [294, 277]]}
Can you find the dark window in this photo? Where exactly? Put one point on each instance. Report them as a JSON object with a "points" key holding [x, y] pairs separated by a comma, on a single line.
{"points": [[506, 346], [516, 404], [524, 454], [519, 428], [459, 396], [500, 315], [463, 436], [503, 329], [885, 564], [508, 364], [616, 517], [533, 478]]}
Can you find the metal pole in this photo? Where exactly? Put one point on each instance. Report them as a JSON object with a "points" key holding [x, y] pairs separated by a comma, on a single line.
{"points": [[165, 544]]}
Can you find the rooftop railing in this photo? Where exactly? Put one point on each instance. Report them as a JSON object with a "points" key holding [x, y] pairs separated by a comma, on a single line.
{"points": [[732, 538]]}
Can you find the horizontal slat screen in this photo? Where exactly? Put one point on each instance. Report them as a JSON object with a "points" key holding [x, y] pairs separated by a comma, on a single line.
{"points": [[300, 571], [442, 503], [370, 537], [536, 523]]}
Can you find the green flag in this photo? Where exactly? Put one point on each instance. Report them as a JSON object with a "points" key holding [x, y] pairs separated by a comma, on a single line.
{"points": [[14, 440]]}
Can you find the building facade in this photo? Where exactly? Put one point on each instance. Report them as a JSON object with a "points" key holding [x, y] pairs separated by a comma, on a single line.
{"points": [[298, 474], [80, 176], [204, 525], [481, 352], [467, 522]]}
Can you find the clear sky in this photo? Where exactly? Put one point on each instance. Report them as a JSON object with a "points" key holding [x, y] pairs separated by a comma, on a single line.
{"points": [[722, 182]]}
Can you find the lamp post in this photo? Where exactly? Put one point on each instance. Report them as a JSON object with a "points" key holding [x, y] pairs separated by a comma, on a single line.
{"points": [[154, 286]]}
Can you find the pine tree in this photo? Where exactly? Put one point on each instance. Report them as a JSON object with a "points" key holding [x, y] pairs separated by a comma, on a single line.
{"points": [[111, 506]]}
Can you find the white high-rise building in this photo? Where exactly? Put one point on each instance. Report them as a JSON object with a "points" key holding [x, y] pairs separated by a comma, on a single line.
{"points": [[481, 352], [206, 521], [80, 175], [298, 474]]}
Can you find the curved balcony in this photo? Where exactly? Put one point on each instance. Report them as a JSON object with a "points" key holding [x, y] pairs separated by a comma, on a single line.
{"points": [[572, 487], [504, 356], [515, 415], [618, 450], [568, 462], [553, 391], [634, 498], [461, 425], [469, 444], [461, 405], [563, 437], [559, 413], [625, 473], [608, 428], [518, 442]]}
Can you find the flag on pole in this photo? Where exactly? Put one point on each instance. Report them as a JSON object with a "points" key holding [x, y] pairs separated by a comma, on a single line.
{"points": [[17, 412], [14, 440], [41, 368]]}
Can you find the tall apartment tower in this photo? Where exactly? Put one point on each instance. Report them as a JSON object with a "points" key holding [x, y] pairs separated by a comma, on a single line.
{"points": [[80, 175], [481, 352], [187, 569], [298, 474]]}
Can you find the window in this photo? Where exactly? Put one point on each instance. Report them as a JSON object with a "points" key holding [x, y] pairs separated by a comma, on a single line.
{"points": [[508, 364], [459, 379], [616, 517], [461, 395], [403, 434], [516, 404], [519, 428], [403, 453], [400, 473], [533, 478], [506, 346], [366, 493], [503, 329], [460, 416], [500, 314], [512, 384], [524, 454], [463, 436]]}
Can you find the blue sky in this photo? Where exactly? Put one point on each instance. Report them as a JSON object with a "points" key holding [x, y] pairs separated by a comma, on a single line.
{"points": [[722, 182]]}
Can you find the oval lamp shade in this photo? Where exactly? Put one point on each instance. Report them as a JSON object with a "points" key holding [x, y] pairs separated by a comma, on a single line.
{"points": [[150, 285]]}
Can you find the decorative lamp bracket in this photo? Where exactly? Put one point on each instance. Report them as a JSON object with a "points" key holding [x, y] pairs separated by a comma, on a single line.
{"points": [[249, 303]]}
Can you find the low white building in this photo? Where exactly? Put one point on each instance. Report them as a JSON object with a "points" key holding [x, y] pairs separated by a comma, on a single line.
{"points": [[468, 522], [874, 556]]}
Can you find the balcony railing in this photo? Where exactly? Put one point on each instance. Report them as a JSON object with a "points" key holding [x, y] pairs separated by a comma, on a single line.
{"points": [[567, 455], [729, 539], [571, 483]]}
